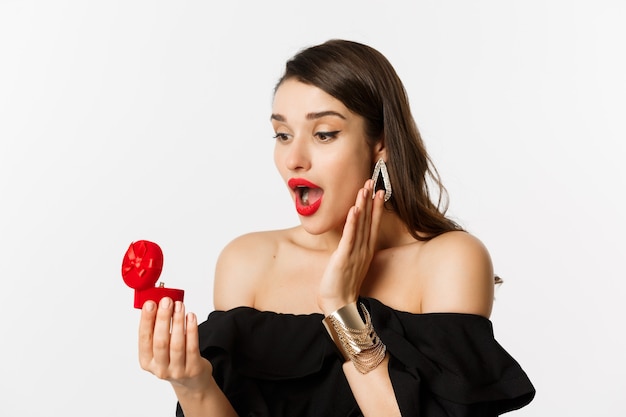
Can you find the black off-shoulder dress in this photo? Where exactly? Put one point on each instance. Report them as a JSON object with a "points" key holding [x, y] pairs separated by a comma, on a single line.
{"points": [[441, 364]]}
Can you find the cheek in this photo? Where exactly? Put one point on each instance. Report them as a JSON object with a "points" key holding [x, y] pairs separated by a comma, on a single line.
{"points": [[350, 177], [277, 162], [358, 169]]}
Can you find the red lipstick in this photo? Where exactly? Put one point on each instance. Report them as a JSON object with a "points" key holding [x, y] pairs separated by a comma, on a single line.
{"points": [[308, 196]]}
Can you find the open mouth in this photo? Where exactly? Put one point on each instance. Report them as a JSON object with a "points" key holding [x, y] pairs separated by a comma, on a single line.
{"points": [[308, 196]]}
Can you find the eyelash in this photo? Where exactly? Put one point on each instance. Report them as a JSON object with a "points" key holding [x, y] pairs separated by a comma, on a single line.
{"points": [[326, 136], [321, 136], [281, 136]]}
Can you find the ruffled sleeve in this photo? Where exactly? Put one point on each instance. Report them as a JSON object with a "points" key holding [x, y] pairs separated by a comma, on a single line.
{"points": [[449, 364], [274, 365]]}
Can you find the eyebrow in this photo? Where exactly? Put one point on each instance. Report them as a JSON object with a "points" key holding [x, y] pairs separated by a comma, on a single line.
{"points": [[310, 116]]}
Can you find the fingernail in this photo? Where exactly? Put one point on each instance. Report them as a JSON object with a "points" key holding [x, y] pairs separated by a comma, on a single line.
{"points": [[165, 302], [191, 318], [149, 306], [178, 306]]}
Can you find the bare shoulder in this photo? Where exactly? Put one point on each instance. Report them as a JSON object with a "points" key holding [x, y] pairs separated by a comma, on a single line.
{"points": [[240, 266], [458, 275]]}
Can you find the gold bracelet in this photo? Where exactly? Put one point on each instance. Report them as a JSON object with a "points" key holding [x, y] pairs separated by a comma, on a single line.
{"points": [[357, 341]]}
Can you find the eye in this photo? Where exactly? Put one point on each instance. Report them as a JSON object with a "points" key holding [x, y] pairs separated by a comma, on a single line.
{"points": [[281, 137], [326, 136]]}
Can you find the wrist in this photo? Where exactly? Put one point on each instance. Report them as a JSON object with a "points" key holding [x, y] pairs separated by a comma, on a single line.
{"points": [[355, 337], [333, 304], [197, 386]]}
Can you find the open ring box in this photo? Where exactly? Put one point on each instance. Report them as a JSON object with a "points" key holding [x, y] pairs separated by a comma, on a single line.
{"points": [[141, 268]]}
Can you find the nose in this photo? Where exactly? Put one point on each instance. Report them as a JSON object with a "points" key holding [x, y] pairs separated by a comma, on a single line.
{"points": [[297, 154]]}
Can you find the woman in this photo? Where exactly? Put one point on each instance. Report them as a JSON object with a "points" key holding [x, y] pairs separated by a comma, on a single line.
{"points": [[375, 305]]}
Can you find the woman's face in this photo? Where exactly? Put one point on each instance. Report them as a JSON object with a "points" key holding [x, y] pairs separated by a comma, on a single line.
{"points": [[321, 152]]}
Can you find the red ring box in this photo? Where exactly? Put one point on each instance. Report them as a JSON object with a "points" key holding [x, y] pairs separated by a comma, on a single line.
{"points": [[141, 268]]}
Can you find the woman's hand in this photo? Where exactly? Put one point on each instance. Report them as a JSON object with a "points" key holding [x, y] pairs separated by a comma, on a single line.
{"points": [[168, 346], [350, 262]]}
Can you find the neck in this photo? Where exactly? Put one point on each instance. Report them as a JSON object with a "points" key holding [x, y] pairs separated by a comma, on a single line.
{"points": [[392, 232]]}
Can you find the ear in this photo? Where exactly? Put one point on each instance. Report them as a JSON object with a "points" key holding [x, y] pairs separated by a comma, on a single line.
{"points": [[379, 151]]}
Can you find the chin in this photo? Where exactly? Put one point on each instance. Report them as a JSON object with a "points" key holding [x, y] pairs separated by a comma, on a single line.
{"points": [[317, 228], [312, 229]]}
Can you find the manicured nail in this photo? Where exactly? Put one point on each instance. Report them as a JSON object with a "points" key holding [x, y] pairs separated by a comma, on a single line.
{"points": [[149, 306], [178, 306], [165, 302]]}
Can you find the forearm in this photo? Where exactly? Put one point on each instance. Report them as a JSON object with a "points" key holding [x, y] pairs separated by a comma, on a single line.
{"points": [[366, 360], [210, 402], [373, 391]]}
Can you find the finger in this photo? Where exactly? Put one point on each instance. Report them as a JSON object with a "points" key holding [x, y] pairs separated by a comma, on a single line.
{"points": [[365, 209], [177, 340], [369, 186], [362, 210], [161, 343], [192, 340], [146, 332], [349, 232], [377, 214], [350, 229]]}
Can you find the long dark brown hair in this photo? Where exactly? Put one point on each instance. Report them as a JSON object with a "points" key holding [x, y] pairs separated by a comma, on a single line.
{"points": [[367, 84]]}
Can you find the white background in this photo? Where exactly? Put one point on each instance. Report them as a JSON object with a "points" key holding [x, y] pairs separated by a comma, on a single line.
{"points": [[126, 120]]}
